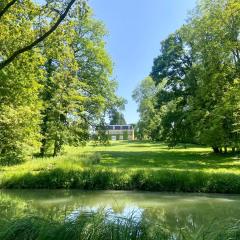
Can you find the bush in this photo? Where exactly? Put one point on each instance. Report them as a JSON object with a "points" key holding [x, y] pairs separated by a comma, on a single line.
{"points": [[11, 158]]}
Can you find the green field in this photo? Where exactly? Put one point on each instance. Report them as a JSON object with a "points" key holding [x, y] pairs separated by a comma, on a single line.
{"points": [[156, 156], [129, 166]]}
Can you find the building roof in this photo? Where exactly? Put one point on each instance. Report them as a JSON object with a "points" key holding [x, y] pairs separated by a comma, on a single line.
{"points": [[120, 127]]}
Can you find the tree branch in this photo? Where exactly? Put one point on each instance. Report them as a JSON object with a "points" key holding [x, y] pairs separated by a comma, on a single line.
{"points": [[4, 10], [4, 63]]}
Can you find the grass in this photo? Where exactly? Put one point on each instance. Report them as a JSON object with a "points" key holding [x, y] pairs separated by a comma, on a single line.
{"points": [[129, 166], [156, 156], [100, 225]]}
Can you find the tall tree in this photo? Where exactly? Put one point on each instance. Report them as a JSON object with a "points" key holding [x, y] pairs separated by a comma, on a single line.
{"points": [[19, 86], [78, 90], [173, 70], [117, 118], [213, 35], [198, 70], [54, 93], [144, 95]]}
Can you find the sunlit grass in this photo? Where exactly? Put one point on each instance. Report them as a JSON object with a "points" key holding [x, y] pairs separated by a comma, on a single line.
{"points": [[157, 156], [127, 166], [135, 155], [72, 158]]}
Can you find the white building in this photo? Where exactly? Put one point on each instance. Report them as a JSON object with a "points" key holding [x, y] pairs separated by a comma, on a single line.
{"points": [[120, 132]]}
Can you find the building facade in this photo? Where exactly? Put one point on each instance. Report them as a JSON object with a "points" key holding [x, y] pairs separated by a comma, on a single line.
{"points": [[120, 132]]}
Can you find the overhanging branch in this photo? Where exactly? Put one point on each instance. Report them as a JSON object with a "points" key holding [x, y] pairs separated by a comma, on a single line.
{"points": [[4, 10], [4, 63]]}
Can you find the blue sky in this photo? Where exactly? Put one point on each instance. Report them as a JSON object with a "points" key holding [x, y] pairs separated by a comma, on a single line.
{"points": [[136, 28]]}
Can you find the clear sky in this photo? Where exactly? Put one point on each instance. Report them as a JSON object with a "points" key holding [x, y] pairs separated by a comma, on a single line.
{"points": [[136, 28]]}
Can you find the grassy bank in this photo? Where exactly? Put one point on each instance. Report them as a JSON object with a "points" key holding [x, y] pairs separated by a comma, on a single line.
{"points": [[97, 226], [107, 179], [129, 166]]}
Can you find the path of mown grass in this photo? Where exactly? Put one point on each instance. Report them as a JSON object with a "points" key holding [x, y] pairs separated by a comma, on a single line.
{"points": [[129, 166]]}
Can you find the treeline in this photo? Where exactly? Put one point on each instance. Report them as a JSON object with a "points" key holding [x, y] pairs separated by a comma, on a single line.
{"points": [[193, 92], [51, 93]]}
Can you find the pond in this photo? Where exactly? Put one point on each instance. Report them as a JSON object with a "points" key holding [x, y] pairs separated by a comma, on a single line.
{"points": [[175, 211]]}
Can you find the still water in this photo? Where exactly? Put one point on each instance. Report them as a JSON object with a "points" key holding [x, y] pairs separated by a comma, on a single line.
{"points": [[172, 210]]}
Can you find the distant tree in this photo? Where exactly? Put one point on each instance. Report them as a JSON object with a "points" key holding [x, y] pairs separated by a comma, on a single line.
{"points": [[144, 95], [117, 118]]}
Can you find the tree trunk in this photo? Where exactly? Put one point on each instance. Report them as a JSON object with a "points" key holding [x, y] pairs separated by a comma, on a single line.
{"points": [[225, 149], [43, 148], [44, 133], [215, 149], [57, 147]]}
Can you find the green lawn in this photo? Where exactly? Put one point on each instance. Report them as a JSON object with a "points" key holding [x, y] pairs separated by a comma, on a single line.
{"points": [[136, 155], [128, 166], [157, 156]]}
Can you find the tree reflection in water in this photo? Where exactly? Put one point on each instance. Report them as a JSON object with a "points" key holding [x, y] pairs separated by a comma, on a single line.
{"points": [[175, 214]]}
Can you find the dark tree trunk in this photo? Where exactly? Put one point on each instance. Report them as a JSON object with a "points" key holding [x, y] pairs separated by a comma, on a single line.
{"points": [[225, 149], [45, 112], [43, 147], [57, 147], [44, 133], [215, 149]]}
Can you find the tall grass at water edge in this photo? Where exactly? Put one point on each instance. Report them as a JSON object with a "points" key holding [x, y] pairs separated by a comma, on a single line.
{"points": [[100, 226]]}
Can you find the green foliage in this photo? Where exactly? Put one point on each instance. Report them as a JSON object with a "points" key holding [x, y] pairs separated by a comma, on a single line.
{"points": [[117, 118], [100, 135], [107, 179], [75, 92], [53, 94], [144, 95], [19, 86], [195, 74]]}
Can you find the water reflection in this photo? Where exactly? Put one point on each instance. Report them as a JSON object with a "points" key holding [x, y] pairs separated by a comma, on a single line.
{"points": [[111, 216], [174, 211]]}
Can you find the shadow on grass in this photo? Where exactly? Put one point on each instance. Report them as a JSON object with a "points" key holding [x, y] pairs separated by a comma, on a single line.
{"points": [[190, 160]]}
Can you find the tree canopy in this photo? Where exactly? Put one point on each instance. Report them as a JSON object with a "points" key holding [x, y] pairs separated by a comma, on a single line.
{"points": [[58, 89], [5, 7], [117, 118], [196, 78]]}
